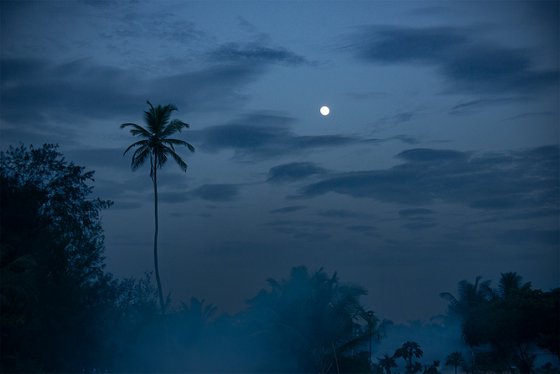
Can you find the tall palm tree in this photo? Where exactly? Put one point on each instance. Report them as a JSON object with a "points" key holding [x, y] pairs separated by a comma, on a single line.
{"points": [[156, 145], [455, 359]]}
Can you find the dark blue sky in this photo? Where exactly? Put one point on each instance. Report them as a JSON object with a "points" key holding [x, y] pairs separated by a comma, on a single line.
{"points": [[439, 161]]}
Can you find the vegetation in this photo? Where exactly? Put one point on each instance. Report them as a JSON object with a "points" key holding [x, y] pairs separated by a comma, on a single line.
{"points": [[455, 360], [408, 352], [514, 320], [157, 146], [53, 291], [62, 312]]}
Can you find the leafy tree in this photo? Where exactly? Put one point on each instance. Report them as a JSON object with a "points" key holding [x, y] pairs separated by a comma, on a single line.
{"points": [[157, 146], [409, 351], [311, 322], [455, 360], [513, 320], [387, 363], [52, 285]]}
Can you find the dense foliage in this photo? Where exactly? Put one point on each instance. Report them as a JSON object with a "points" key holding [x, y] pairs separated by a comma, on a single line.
{"points": [[61, 312], [53, 289], [514, 320]]}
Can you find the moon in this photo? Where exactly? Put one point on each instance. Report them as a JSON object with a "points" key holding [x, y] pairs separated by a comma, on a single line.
{"points": [[325, 110]]}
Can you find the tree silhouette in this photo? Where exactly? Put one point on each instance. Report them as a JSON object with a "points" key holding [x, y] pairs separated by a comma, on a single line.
{"points": [[470, 295], [455, 359], [53, 290], [387, 363], [511, 285], [156, 145], [312, 322], [409, 351], [511, 320]]}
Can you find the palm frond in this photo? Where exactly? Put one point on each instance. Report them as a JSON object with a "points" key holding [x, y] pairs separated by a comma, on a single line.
{"points": [[137, 130], [139, 157], [135, 144], [163, 113], [161, 154], [179, 142], [173, 127], [182, 164]]}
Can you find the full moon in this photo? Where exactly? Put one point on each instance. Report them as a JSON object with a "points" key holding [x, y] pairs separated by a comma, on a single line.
{"points": [[325, 110]]}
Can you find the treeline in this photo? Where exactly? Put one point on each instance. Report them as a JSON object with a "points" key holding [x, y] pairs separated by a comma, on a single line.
{"points": [[61, 312]]}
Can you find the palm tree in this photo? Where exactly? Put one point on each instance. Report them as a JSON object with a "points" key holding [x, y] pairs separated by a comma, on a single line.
{"points": [[470, 295], [511, 285], [408, 351], [156, 146], [455, 359], [387, 363]]}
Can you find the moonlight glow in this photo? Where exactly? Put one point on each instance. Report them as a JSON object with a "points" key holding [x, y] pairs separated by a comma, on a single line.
{"points": [[325, 110]]}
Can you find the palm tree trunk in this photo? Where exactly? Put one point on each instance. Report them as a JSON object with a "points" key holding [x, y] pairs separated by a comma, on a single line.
{"points": [[154, 179]]}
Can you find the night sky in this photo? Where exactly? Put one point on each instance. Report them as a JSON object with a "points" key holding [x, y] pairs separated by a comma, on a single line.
{"points": [[439, 161]]}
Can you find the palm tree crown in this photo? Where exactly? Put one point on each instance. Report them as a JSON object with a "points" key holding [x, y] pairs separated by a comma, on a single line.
{"points": [[156, 144]]}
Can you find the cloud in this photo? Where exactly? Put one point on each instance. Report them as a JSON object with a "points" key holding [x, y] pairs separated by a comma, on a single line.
{"points": [[342, 213], [288, 209], [36, 94], [264, 135], [431, 155], [294, 171], [508, 180], [468, 63], [172, 197], [414, 212], [414, 226], [100, 157], [216, 192], [362, 229], [255, 53], [473, 105], [304, 230], [531, 236], [534, 115]]}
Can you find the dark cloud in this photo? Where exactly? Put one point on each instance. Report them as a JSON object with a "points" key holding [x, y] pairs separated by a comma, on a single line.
{"points": [[515, 179], [534, 115], [413, 212], [294, 171], [216, 192], [262, 135], [342, 213], [432, 155], [362, 229], [466, 62], [39, 89], [413, 226], [407, 139], [288, 209], [474, 105], [125, 205], [172, 197], [304, 230], [36, 92], [531, 236], [101, 157], [255, 53], [408, 45]]}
